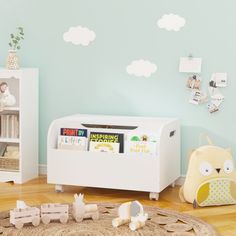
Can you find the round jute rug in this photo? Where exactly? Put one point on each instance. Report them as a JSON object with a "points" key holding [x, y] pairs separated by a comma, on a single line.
{"points": [[160, 222]]}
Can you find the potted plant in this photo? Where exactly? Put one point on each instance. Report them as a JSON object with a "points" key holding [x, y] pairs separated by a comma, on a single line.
{"points": [[15, 39]]}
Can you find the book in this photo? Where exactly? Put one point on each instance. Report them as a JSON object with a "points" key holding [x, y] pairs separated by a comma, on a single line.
{"points": [[3, 147], [74, 132], [72, 142], [140, 147], [141, 143], [142, 137], [107, 138], [104, 147]]}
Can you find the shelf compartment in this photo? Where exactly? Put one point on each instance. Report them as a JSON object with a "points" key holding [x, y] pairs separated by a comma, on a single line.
{"points": [[9, 164]]}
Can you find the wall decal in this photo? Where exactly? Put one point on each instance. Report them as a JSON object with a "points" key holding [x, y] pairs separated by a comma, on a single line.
{"points": [[171, 22], [79, 36], [141, 68]]}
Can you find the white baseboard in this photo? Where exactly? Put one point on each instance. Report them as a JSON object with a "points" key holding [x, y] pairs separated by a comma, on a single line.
{"points": [[42, 169], [180, 180]]}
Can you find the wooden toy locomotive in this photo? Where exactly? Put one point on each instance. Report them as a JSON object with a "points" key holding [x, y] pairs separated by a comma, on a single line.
{"points": [[81, 211]]}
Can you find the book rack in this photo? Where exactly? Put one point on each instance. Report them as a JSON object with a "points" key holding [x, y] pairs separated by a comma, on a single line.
{"points": [[149, 173], [19, 125]]}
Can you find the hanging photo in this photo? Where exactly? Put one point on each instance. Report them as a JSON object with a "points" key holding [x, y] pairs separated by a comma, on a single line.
{"points": [[197, 97], [212, 108], [194, 82], [218, 80], [215, 93]]}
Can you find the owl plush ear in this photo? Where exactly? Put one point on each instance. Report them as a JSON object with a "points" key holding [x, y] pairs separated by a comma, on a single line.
{"points": [[205, 136], [209, 140]]}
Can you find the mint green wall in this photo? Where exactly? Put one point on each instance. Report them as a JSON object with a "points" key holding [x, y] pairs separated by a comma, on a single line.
{"points": [[93, 79]]}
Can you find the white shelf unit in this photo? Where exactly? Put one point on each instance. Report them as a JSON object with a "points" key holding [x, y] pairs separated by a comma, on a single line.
{"points": [[116, 171], [26, 108]]}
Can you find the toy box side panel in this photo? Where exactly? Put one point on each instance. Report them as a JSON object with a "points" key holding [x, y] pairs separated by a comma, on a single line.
{"points": [[169, 154]]}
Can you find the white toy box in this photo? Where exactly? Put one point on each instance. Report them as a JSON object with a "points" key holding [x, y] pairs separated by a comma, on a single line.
{"points": [[149, 173]]}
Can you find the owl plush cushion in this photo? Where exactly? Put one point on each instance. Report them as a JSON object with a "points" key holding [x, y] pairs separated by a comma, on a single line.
{"points": [[211, 177]]}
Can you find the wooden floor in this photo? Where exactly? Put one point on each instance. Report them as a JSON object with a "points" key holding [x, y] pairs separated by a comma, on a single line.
{"points": [[38, 191]]}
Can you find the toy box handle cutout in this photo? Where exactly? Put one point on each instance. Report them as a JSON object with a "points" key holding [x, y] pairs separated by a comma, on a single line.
{"points": [[104, 126], [172, 133]]}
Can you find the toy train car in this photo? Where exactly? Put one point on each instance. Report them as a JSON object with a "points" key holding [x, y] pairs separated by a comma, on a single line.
{"points": [[19, 217], [54, 211]]}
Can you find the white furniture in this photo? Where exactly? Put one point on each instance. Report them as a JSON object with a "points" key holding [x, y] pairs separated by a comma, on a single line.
{"points": [[117, 171], [23, 84]]}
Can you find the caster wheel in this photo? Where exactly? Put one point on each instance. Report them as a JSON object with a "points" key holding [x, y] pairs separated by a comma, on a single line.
{"points": [[154, 196], [59, 188]]}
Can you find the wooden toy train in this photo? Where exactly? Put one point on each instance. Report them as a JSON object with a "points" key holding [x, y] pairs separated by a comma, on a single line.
{"points": [[52, 211]]}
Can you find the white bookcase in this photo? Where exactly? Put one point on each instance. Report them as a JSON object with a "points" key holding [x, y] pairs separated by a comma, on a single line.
{"points": [[19, 125], [151, 173]]}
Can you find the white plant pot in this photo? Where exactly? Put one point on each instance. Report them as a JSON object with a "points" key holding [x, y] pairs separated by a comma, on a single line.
{"points": [[12, 60]]}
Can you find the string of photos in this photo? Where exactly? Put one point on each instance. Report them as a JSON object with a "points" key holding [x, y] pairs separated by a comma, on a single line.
{"points": [[198, 95]]}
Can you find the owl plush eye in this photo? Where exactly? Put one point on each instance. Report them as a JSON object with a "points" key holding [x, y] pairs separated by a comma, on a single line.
{"points": [[205, 168], [228, 166]]}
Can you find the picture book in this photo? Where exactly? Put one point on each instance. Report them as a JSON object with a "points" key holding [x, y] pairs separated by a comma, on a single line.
{"points": [[141, 137], [112, 138], [74, 132], [104, 147], [72, 142], [140, 147], [141, 143]]}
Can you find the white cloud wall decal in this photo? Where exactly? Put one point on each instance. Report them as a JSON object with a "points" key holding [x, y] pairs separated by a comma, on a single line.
{"points": [[141, 68], [171, 22], [79, 36]]}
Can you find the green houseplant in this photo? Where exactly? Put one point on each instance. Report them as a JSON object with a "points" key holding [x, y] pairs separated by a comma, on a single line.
{"points": [[14, 43]]}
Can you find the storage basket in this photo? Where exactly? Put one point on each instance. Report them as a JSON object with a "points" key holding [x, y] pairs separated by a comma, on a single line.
{"points": [[7, 163]]}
